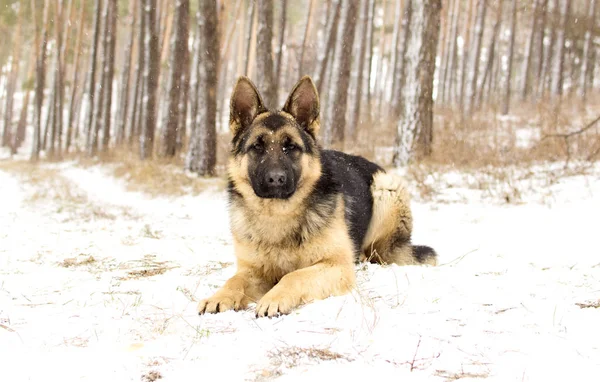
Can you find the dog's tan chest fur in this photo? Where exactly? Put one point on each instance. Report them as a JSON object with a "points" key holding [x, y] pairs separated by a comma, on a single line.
{"points": [[265, 243]]}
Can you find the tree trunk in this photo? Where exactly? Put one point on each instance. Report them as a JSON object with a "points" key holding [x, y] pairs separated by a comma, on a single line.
{"points": [[75, 79], [355, 112], [332, 27], [450, 79], [11, 82], [264, 52], [40, 80], [177, 65], [138, 92], [529, 52], [510, 58], [487, 75], [370, 33], [123, 101], [151, 73], [559, 62], [251, 27], [282, 24], [541, 27], [90, 127], [201, 157], [109, 70], [399, 28], [587, 65], [305, 37], [183, 101], [340, 77], [92, 147], [399, 62], [475, 57], [416, 121]]}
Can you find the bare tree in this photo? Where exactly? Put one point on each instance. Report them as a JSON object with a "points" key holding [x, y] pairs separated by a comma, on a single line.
{"points": [[264, 51], [201, 156], [487, 74], [135, 115], [11, 80], [40, 80], [177, 65], [510, 58], [587, 65], [416, 121], [123, 101], [109, 69], [282, 24], [529, 52], [90, 128], [340, 77], [322, 60], [75, 78], [475, 56], [151, 73], [358, 96], [305, 37], [559, 62]]}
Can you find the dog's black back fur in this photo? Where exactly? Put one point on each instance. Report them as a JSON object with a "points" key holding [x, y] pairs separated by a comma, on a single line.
{"points": [[352, 176]]}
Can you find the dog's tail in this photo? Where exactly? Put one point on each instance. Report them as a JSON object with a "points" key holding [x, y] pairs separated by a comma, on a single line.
{"points": [[388, 238]]}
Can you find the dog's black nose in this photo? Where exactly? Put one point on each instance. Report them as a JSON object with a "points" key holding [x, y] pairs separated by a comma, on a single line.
{"points": [[276, 178]]}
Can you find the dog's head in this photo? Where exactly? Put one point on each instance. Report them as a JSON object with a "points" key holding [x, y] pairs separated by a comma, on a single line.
{"points": [[273, 150]]}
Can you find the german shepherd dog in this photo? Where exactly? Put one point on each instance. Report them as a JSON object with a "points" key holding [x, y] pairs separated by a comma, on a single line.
{"points": [[300, 216]]}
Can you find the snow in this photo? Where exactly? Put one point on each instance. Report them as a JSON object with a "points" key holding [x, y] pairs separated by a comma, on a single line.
{"points": [[99, 283]]}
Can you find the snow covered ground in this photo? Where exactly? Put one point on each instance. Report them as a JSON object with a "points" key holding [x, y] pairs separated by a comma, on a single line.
{"points": [[101, 284]]}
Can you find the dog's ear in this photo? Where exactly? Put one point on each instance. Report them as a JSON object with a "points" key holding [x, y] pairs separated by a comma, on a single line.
{"points": [[303, 105], [245, 105]]}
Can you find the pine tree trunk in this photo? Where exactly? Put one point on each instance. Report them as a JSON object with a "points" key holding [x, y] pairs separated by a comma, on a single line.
{"points": [[92, 148], [475, 57], [450, 79], [399, 64], [526, 73], [11, 83], [323, 59], [487, 75], [75, 79], [510, 59], [367, 85], [177, 57], [354, 121], [416, 121], [546, 78], [396, 46], [587, 65], [559, 62], [135, 114], [109, 70], [201, 157], [151, 74], [282, 24], [541, 28], [183, 101], [264, 52], [251, 27], [89, 125], [40, 80], [340, 77], [125, 82], [305, 37], [467, 37]]}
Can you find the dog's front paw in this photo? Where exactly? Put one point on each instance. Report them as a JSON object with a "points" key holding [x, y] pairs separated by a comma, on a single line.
{"points": [[275, 303], [222, 301]]}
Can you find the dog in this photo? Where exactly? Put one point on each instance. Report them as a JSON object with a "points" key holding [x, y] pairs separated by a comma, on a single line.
{"points": [[301, 217]]}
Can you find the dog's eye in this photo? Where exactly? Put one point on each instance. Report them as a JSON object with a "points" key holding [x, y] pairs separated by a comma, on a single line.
{"points": [[289, 147], [258, 146]]}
